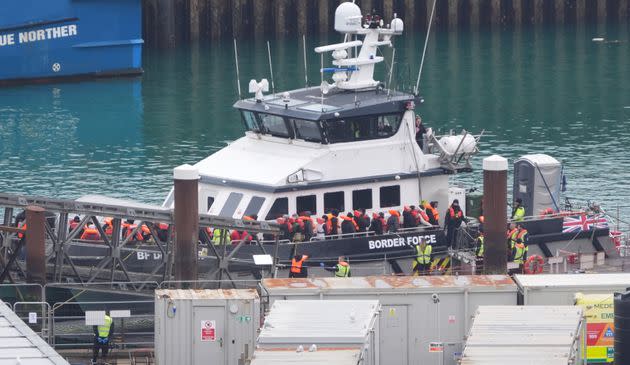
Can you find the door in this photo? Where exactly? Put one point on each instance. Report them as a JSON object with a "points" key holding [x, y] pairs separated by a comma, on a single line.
{"points": [[393, 335], [209, 335]]}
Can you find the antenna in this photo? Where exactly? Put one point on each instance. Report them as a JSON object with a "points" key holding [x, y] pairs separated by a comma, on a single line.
{"points": [[305, 67], [273, 87], [424, 51], [391, 71], [238, 77], [321, 72]]}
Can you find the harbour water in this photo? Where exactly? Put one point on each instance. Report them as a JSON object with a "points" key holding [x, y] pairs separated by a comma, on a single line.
{"points": [[541, 89]]}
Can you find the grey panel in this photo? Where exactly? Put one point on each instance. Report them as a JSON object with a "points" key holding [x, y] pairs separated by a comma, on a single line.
{"points": [[254, 205], [393, 335], [580, 245], [21, 352], [209, 351], [15, 342], [231, 204]]}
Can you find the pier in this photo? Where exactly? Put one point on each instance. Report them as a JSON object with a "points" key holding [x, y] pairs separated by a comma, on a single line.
{"points": [[169, 23]]}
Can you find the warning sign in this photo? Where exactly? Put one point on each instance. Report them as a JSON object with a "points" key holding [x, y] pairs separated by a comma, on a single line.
{"points": [[208, 331], [436, 347]]}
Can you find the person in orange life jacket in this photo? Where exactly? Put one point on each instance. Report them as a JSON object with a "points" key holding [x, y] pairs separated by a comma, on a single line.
{"points": [[347, 224], [432, 212], [362, 220], [298, 268], [408, 219], [381, 217], [377, 225], [334, 220], [511, 234], [452, 221], [307, 225], [90, 233], [285, 228], [74, 223], [162, 231], [393, 222]]}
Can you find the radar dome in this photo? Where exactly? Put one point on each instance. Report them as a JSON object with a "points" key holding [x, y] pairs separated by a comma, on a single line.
{"points": [[348, 18], [397, 26]]}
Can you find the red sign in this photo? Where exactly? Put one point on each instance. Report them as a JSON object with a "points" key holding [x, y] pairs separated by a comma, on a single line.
{"points": [[208, 331]]}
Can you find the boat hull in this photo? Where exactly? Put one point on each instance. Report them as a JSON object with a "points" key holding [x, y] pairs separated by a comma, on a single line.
{"points": [[69, 39]]}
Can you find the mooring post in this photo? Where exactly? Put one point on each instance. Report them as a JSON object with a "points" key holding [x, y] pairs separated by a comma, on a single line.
{"points": [[35, 245], [186, 211], [495, 214]]}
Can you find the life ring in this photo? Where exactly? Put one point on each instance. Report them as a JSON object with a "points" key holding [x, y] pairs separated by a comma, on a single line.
{"points": [[537, 263]]}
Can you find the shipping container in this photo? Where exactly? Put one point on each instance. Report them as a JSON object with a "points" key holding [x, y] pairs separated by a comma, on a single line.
{"points": [[314, 325], [560, 289], [193, 326], [515, 335], [417, 311]]}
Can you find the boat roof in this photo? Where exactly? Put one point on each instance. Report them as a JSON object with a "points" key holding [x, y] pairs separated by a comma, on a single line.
{"points": [[308, 104], [20, 345]]}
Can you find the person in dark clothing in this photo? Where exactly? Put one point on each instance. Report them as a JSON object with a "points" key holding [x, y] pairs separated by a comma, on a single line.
{"points": [[393, 222], [285, 231], [376, 226], [431, 210], [348, 224], [334, 221], [408, 220], [420, 132], [308, 225], [360, 220], [102, 339], [452, 221]]}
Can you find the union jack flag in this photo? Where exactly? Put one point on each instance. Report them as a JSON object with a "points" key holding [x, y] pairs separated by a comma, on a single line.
{"points": [[577, 223]]}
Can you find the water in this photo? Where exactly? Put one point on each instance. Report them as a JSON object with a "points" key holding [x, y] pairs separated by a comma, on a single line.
{"points": [[547, 90]]}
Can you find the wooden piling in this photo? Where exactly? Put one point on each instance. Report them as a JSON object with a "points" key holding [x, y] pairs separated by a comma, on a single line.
{"points": [[601, 11], [559, 11], [300, 10], [580, 10], [186, 214], [323, 16], [453, 13], [237, 16], [410, 14], [495, 214], [35, 245], [474, 12], [538, 11], [280, 7], [166, 23], [495, 12]]}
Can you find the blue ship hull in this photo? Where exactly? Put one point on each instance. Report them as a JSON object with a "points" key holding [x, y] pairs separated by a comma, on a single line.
{"points": [[50, 39]]}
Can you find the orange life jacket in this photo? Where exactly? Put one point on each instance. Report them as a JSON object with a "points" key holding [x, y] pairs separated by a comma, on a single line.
{"points": [[424, 215], [72, 225], [90, 234], [451, 212], [296, 266], [22, 225]]}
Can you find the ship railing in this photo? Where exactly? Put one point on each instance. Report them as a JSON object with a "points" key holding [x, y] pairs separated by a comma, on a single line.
{"points": [[36, 315]]}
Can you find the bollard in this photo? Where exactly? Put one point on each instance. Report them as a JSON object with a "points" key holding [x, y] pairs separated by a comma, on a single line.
{"points": [[186, 213], [35, 245], [495, 214]]}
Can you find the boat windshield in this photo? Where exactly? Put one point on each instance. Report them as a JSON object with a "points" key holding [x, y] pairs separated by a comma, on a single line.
{"points": [[279, 126], [306, 130], [361, 128]]}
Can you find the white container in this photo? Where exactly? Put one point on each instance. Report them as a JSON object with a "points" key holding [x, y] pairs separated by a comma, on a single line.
{"points": [[310, 325], [291, 357], [193, 326], [515, 335], [553, 289], [412, 317]]}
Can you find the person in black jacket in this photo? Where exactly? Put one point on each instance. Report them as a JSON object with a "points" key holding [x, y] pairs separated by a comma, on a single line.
{"points": [[452, 221]]}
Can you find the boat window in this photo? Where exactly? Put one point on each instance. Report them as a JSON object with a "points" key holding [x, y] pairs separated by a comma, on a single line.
{"points": [[231, 204], [306, 203], [361, 128], [210, 202], [362, 199], [250, 121], [254, 206], [306, 130], [279, 208], [274, 125], [390, 196], [334, 201]]}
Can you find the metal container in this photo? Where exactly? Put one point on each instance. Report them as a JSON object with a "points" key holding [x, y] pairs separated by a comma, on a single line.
{"points": [[515, 335], [553, 289], [315, 325], [291, 357], [193, 326], [417, 311]]}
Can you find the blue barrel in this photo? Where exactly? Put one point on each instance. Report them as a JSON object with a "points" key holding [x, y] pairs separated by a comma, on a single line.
{"points": [[622, 328]]}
